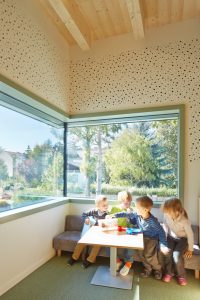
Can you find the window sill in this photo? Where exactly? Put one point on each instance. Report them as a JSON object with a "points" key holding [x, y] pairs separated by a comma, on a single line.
{"points": [[21, 212], [17, 213]]}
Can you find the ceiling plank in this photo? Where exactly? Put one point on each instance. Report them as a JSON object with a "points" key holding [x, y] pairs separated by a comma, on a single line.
{"points": [[75, 26], [51, 14], [135, 14]]}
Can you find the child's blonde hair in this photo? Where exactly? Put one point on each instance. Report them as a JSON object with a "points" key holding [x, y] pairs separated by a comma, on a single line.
{"points": [[175, 205], [100, 198], [124, 195]]}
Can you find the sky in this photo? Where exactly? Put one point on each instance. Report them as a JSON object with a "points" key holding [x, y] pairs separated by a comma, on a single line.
{"points": [[18, 131]]}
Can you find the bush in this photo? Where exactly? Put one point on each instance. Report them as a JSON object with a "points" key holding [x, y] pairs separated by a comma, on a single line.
{"points": [[4, 203], [108, 189]]}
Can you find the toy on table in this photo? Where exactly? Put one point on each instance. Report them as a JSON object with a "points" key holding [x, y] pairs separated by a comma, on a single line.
{"points": [[133, 230], [129, 230]]}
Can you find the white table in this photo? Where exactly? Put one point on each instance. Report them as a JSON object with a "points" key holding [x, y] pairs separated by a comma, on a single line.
{"points": [[104, 275]]}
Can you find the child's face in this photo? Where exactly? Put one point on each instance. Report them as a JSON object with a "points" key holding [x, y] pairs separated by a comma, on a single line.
{"points": [[142, 211], [103, 206], [126, 203]]}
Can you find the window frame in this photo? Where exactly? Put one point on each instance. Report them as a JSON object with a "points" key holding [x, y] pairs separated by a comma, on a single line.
{"points": [[140, 114], [36, 103]]}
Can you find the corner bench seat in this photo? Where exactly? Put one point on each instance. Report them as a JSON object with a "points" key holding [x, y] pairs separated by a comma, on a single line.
{"points": [[67, 240]]}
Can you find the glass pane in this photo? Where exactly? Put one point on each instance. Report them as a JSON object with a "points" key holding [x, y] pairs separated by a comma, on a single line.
{"points": [[31, 160], [141, 157]]}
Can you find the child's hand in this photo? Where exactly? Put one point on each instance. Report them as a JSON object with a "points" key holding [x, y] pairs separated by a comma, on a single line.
{"points": [[188, 254], [87, 221], [164, 250], [109, 216]]}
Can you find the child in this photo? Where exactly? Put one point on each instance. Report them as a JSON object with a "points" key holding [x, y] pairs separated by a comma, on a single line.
{"points": [[180, 239], [153, 233], [124, 199], [91, 218]]}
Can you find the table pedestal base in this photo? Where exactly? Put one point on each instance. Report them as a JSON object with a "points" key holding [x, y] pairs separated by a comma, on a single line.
{"points": [[103, 277]]}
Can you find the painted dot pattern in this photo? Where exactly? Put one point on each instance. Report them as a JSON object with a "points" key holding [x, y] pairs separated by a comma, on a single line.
{"points": [[160, 75], [29, 57]]}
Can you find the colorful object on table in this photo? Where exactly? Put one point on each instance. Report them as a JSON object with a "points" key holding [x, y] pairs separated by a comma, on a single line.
{"points": [[129, 230], [121, 228], [133, 230]]}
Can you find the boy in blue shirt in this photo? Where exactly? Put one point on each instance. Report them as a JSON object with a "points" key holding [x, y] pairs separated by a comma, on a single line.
{"points": [[154, 236]]}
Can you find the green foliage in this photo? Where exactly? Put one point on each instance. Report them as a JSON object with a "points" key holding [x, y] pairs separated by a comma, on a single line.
{"points": [[165, 152], [129, 159], [3, 170], [35, 162], [52, 178], [109, 189]]}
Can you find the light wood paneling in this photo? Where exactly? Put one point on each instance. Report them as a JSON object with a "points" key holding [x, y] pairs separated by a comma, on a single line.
{"points": [[90, 20]]}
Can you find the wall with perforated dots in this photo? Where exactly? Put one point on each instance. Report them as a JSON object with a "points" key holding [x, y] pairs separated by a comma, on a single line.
{"points": [[158, 75], [32, 57]]}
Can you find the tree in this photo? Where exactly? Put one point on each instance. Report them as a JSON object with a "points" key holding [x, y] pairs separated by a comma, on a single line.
{"points": [[3, 170], [165, 152], [35, 162], [52, 178], [104, 135], [85, 136], [129, 159]]}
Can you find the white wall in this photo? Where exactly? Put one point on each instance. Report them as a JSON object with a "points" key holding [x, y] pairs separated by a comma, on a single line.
{"points": [[26, 244]]}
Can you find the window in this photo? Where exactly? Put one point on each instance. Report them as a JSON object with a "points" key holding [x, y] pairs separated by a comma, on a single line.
{"points": [[42, 157], [136, 154], [31, 160]]}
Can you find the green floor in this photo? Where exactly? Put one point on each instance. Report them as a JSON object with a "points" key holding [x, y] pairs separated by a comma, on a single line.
{"points": [[56, 281]]}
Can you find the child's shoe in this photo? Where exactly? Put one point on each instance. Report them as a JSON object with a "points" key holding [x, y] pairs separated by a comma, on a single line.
{"points": [[167, 278], [71, 261], [182, 280], [86, 264], [126, 268], [145, 274], [158, 275]]}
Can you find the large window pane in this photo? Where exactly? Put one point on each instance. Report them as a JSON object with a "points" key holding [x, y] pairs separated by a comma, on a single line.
{"points": [[141, 157], [31, 160]]}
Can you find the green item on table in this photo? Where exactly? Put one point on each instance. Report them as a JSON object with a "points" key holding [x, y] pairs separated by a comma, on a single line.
{"points": [[121, 221]]}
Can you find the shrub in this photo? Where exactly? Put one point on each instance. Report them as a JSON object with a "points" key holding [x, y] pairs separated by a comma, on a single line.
{"points": [[108, 189]]}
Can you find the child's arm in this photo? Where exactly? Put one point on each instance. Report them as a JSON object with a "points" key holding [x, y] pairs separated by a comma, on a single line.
{"points": [[162, 239], [165, 226], [87, 215], [132, 216], [190, 238]]}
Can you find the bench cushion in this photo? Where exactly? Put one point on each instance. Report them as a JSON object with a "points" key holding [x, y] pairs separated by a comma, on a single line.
{"points": [[67, 240], [73, 223]]}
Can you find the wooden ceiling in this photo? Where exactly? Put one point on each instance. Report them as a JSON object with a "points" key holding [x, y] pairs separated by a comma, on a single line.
{"points": [[84, 21]]}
